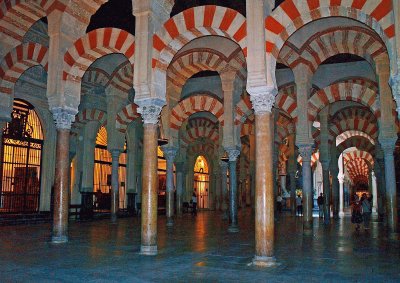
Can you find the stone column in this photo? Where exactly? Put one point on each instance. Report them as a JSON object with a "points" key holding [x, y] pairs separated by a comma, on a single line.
{"points": [[63, 120], [224, 205], [292, 176], [252, 169], [233, 198], [114, 184], [341, 195], [335, 185], [264, 208], [306, 152], [374, 194], [388, 146], [327, 192], [170, 153], [379, 168], [217, 177], [150, 110], [179, 187]]}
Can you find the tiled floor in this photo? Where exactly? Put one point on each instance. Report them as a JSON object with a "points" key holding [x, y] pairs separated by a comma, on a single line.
{"points": [[198, 250]]}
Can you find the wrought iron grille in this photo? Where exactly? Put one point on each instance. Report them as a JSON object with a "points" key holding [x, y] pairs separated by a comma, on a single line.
{"points": [[21, 156]]}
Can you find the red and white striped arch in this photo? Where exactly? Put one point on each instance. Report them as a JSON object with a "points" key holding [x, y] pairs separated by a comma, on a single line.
{"points": [[348, 156], [94, 45], [193, 104], [16, 62], [193, 133], [17, 16], [358, 170], [247, 129], [286, 100], [291, 15], [202, 149], [127, 115], [353, 133], [87, 115], [354, 119], [194, 23], [342, 91], [94, 77], [361, 143], [194, 61], [354, 40], [244, 109], [122, 78]]}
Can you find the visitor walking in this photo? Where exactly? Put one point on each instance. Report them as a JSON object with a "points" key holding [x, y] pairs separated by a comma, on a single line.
{"points": [[366, 210], [194, 204], [320, 202], [299, 204], [356, 213]]}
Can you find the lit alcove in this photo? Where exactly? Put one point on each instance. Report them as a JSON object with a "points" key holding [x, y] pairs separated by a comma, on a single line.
{"points": [[201, 182]]}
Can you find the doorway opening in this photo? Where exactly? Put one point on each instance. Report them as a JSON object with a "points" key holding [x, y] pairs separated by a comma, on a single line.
{"points": [[201, 182], [21, 156]]}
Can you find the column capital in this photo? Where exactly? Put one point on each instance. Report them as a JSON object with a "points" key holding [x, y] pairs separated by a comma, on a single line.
{"points": [[115, 153], [388, 144], [262, 98], [150, 109], [233, 153], [169, 153], [306, 151], [64, 117]]}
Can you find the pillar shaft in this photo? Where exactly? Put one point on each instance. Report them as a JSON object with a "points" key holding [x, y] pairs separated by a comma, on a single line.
{"points": [[114, 185], [224, 205], [264, 188], [390, 175], [306, 151], [149, 191], [61, 199], [169, 153], [179, 188], [327, 194], [292, 176], [341, 195], [233, 198]]}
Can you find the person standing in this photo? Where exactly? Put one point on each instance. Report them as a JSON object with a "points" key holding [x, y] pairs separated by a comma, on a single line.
{"points": [[356, 215], [366, 210], [299, 204], [320, 202], [194, 203]]}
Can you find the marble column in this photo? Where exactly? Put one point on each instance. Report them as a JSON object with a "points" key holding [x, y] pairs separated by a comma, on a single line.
{"points": [[224, 189], [327, 192], [388, 146], [264, 207], [284, 192], [115, 153], [341, 194], [306, 152], [217, 177], [63, 120], [170, 153], [292, 176], [374, 194], [380, 172], [179, 187], [150, 111], [233, 191]]}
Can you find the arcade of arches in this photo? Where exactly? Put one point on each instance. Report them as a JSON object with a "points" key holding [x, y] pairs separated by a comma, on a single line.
{"points": [[130, 110]]}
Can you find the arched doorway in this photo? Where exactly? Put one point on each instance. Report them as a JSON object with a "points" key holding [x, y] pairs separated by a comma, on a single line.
{"points": [[201, 181], [102, 174], [21, 157]]}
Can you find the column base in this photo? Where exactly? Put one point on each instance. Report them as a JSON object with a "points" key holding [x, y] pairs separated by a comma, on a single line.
{"points": [[59, 239], [170, 222], [264, 261], [233, 229], [148, 250]]}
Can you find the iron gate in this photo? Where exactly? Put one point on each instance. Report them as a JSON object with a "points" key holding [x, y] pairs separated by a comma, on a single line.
{"points": [[21, 156]]}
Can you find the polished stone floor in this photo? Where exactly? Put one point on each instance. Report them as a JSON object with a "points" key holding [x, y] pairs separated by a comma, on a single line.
{"points": [[198, 250]]}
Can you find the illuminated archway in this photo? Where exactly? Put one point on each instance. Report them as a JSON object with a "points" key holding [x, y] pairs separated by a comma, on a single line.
{"points": [[102, 173], [201, 182], [21, 160]]}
